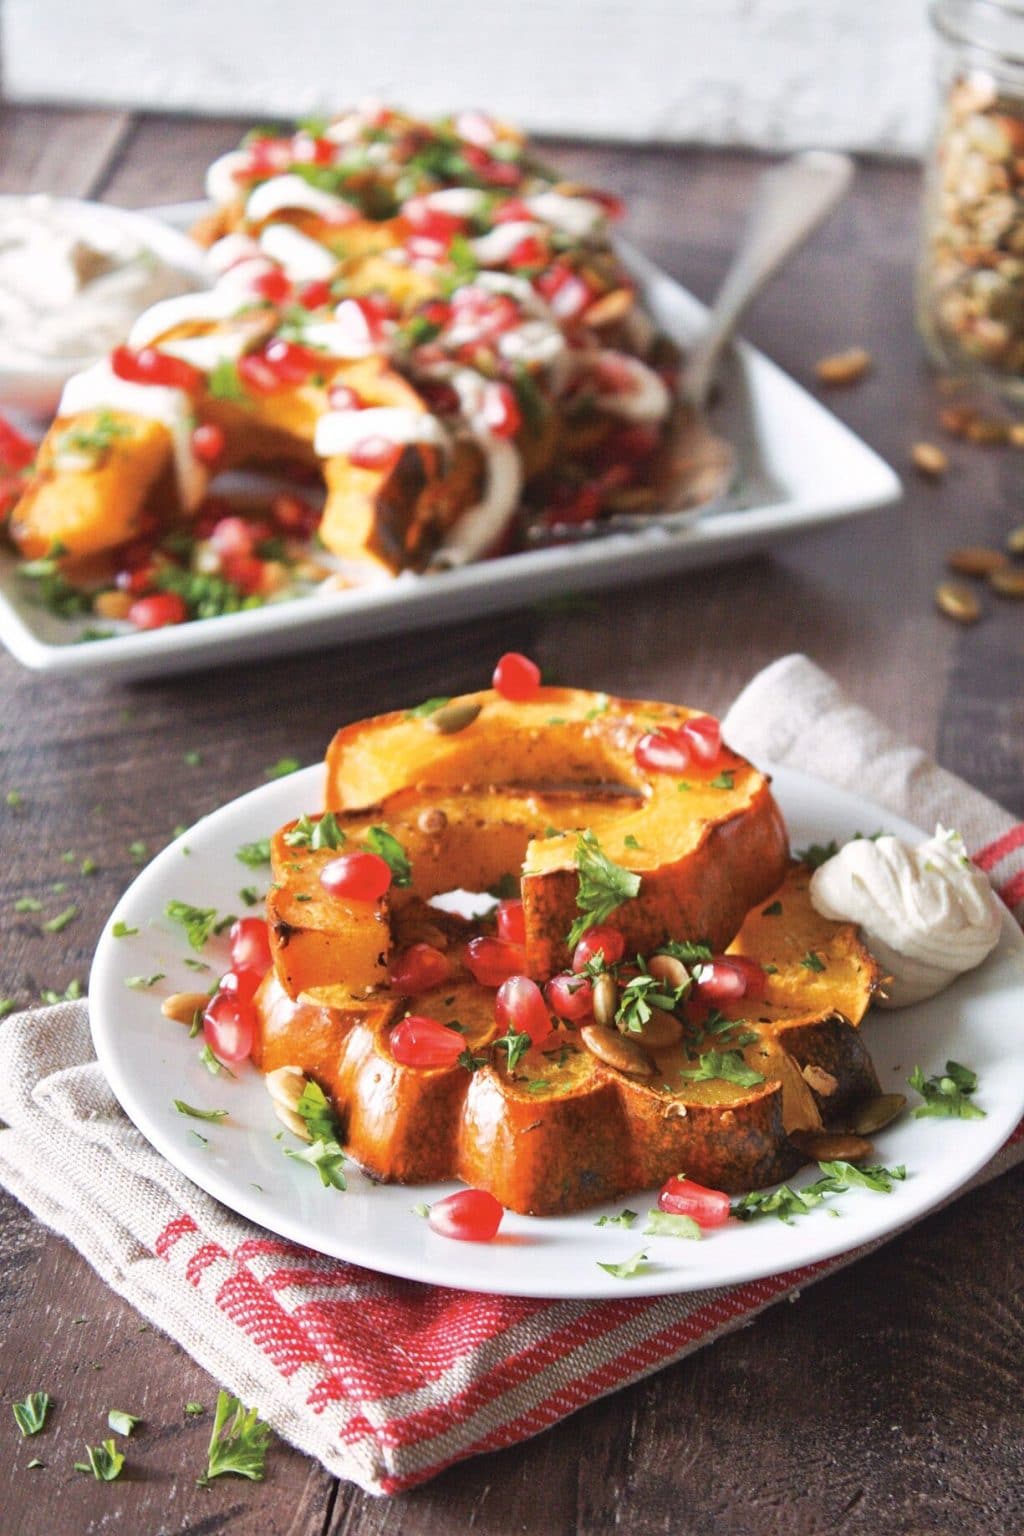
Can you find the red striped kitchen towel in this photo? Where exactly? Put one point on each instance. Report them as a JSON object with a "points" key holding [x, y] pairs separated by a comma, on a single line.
{"points": [[389, 1381]]}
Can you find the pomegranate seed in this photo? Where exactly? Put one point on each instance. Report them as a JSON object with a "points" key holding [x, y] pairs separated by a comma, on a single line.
{"points": [[500, 410], [249, 945], [420, 1041], [358, 876], [158, 610], [475, 127], [292, 364], [426, 248], [241, 984], [570, 996], [341, 398], [308, 150], [418, 968], [440, 396], [208, 442], [211, 510], [633, 443], [229, 1027], [614, 374], [565, 291], [373, 453], [516, 677], [613, 206], [530, 252], [583, 507], [754, 975], [16, 450], [294, 515], [492, 961], [433, 223], [682, 1197], [268, 156], [315, 295], [513, 211], [244, 572], [608, 942], [258, 376], [149, 366], [137, 579], [363, 319], [703, 734], [511, 922], [718, 980], [272, 286], [520, 1008], [233, 536], [663, 751], [469, 1216]]}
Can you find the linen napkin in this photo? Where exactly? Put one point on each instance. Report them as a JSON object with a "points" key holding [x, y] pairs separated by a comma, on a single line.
{"points": [[388, 1381]]}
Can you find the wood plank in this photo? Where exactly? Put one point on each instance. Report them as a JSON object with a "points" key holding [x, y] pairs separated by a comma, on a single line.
{"points": [[63, 152]]}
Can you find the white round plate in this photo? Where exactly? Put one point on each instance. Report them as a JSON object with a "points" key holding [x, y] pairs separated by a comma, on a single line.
{"points": [[150, 1061]]}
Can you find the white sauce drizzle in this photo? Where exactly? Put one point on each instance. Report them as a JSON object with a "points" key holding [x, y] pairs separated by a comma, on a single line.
{"points": [[99, 387], [229, 250], [222, 187], [579, 217], [480, 525], [648, 399], [303, 259], [283, 192], [211, 304], [340, 431], [499, 243]]}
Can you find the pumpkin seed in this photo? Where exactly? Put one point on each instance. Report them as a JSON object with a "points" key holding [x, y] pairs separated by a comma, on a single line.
{"points": [[833, 1146], [432, 821], [929, 459], [452, 718], [875, 1113], [843, 367], [1016, 434], [605, 1001], [958, 602], [1007, 583], [659, 1031], [819, 1080], [668, 969], [1015, 540], [976, 560], [616, 1051]]}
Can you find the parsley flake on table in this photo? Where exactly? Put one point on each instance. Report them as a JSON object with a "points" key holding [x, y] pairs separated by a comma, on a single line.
{"points": [[193, 1410], [254, 854], [380, 841], [122, 1423], [603, 886], [15, 799], [669, 1224], [624, 1218], [138, 851], [947, 1095], [198, 922], [629, 1267], [726, 1067], [238, 1443], [105, 1462], [28, 904], [199, 1114], [7, 1005], [30, 1415], [60, 922]]}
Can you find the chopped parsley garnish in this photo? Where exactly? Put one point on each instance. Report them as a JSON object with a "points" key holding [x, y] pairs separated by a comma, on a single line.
{"points": [[515, 1045], [668, 1224], [224, 382], [313, 1107], [726, 1067], [198, 922], [629, 841], [631, 1266], [947, 1095], [31, 1414], [92, 440], [379, 840], [249, 895], [471, 1063], [603, 886], [209, 1060], [60, 922], [422, 1209], [685, 951], [199, 1114], [625, 1218], [254, 854], [282, 768], [786, 1202], [773, 909], [428, 707], [724, 780], [643, 993], [812, 961], [205, 596], [122, 1423], [316, 832], [815, 854], [239, 1440], [326, 1157], [71, 993], [105, 1462], [143, 983]]}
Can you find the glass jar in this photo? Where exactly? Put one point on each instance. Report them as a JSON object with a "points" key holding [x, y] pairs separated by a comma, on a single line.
{"points": [[970, 292]]}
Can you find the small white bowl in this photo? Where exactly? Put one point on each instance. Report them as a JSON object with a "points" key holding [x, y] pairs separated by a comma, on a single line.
{"points": [[33, 387]]}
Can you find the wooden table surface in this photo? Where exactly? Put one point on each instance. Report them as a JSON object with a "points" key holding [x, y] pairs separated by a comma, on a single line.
{"points": [[888, 1398]]}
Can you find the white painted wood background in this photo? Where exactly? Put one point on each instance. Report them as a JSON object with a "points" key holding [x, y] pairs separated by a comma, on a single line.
{"points": [[767, 73]]}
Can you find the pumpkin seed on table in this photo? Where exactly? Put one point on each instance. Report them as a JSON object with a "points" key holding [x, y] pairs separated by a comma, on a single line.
{"points": [[452, 718], [958, 602], [616, 1050], [929, 459], [1015, 540], [1008, 583], [843, 367], [874, 1114], [976, 560]]}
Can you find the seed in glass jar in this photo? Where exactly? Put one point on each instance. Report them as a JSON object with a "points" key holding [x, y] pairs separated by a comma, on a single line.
{"points": [[843, 367], [1008, 582], [958, 602], [976, 560], [929, 459], [1015, 540]]}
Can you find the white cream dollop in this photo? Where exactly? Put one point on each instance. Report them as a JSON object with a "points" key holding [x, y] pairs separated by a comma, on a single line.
{"points": [[927, 913]]}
